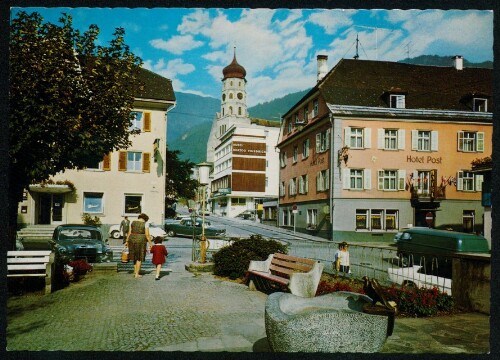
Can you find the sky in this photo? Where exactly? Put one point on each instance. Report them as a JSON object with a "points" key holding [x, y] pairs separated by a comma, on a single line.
{"points": [[278, 47]]}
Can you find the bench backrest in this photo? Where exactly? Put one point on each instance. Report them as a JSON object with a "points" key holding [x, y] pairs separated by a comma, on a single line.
{"points": [[285, 265], [29, 260]]}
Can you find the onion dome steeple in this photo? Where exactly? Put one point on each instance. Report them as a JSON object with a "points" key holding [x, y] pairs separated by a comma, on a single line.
{"points": [[234, 70]]}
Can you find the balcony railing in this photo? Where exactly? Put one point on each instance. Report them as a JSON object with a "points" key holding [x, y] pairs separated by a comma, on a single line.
{"points": [[437, 193]]}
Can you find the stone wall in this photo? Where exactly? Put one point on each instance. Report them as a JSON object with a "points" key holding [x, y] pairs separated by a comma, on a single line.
{"points": [[471, 278]]}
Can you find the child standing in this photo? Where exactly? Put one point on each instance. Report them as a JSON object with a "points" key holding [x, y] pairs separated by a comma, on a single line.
{"points": [[342, 258], [159, 252]]}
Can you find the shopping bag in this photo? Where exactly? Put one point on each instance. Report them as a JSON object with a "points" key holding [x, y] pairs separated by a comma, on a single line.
{"points": [[125, 255]]}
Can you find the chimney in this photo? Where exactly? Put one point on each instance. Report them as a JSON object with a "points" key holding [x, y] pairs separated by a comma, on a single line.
{"points": [[458, 62], [322, 66]]}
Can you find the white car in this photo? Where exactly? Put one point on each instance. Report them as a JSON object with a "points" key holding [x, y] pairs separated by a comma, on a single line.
{"points": [[154, 231], [414, 276]]}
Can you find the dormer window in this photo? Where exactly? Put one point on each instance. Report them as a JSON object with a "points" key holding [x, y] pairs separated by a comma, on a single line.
{"points": [[397, 101], [289, 126], [480, 104]]}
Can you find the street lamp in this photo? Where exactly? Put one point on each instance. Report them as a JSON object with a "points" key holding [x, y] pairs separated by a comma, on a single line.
{"points": [[203, 180]]}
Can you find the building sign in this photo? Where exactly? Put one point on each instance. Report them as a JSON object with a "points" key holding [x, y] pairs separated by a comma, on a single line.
{"points": [[248, 148], [224, 191], [424, 159]]}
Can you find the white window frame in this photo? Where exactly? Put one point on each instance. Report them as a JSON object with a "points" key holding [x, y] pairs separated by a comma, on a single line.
{"points": [[283, 159], [397, 101], [467, 181], [312, 217], [374, 214], [361, 213], [93, 207], [388, 213], [141, 205], [470, 141], [282, 188], [480, 104], [134, 164], [323, 180], [315, 111], [424, 140], [138, 121], [303, 184], [290, 126], [323, 141], [305, 149], [357, 137], [292, 186], [391, 180]]}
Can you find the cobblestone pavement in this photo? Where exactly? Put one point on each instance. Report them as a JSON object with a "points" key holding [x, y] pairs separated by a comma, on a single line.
{"points": [[112, 311]]}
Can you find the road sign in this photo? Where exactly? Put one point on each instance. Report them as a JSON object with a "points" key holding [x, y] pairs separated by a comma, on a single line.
{"points": [[429, 218]]}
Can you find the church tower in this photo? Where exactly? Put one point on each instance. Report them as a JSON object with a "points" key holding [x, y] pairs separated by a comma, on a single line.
{"points": [[234, 95]]}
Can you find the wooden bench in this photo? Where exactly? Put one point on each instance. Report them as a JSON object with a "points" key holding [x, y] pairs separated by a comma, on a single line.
{"points": [[26, 263], [298, 275]]}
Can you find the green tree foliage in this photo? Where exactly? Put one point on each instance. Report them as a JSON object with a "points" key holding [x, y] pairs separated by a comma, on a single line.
{"points": [[70, 99], [178, 182]]}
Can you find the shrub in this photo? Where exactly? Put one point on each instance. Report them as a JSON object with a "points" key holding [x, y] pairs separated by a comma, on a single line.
{"points": [[89, 220], [233, 260], [329, 285]]}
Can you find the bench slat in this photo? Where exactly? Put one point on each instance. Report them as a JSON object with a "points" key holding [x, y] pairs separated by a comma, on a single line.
{"points": [[294, 258], [28, 260], [23, 275], [291, 265], [26, 267], [29, 253], [272, 277]]}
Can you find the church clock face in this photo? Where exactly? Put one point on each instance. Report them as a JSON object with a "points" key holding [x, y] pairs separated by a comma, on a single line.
{"points": [[240, 96]]}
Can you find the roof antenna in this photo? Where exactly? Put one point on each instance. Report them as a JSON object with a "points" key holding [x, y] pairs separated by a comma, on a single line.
{"points": [[356, 57]]}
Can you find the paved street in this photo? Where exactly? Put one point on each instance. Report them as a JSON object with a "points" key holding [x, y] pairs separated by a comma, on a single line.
{"points": [[189, 312]]}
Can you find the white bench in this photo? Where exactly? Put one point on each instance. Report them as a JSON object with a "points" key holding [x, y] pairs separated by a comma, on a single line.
{"points": [[26, 263], [299, 275]]}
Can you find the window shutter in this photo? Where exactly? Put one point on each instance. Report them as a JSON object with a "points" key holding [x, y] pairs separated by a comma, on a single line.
{"points": [[401, 179], [327, 179], [401, 139], [414, 139], [328, 138], [307, 184], [367, 132], [146, 161], [460, 143], [480, 142], [434, 141], [347, 136], [147, 121], [106, 162], [301, 185], [346, 176], [460, 180], [478, 180], [381, 179], [381, 139], [318, 181], [122, 161], [367, 179], [318, 143]]}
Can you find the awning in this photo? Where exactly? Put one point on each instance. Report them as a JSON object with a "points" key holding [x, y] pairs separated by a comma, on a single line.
{"points": [[50, 188]]}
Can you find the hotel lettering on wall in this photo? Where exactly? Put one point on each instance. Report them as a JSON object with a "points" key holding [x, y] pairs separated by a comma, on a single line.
{"points": [[424, 159], [249, 148]]}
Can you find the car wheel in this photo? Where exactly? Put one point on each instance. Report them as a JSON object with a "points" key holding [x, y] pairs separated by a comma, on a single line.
{"points": [[171, 233], [115, 234]]}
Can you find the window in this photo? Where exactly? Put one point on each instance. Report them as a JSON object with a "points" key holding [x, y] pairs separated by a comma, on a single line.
{"points": [[323, 141], [295, 153], [305, 149], [480, 104], [238, 201], [285, 217], [424, 140], [282, 188], [397, 101], [289, 126], [423, 180], [93, 203], [357, 179], [283, 159], [292, 187], [134, 161], [391, 219], [222, 129], [391, 180], [133, 204], [467, 181], [470, 141], [305, 114], [312, 218], [136, 123], [468, 220], [357, 138], [376, 219], [239, 110], [303, 184], [297, 120], [315, 108], [322, 180], [361, 219]]}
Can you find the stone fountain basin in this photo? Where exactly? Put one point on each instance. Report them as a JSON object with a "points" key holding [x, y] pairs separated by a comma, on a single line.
{"points": [[328, 323]]}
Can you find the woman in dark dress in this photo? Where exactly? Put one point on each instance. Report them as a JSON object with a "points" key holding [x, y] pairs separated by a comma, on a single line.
{"points": [[138, 236]]}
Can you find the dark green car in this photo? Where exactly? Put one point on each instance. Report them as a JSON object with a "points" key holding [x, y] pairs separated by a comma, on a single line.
{"points": [[185, 227]]}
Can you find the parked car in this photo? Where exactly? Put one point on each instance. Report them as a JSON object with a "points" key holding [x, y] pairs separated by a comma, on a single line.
{"points": [[247, 215], [185, 227], [154, 231], [73, 241], [415, 276], [175, 219]]}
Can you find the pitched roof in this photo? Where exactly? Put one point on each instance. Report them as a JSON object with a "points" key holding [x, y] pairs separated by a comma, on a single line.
{"points": [[156, 87], [368, 83]]}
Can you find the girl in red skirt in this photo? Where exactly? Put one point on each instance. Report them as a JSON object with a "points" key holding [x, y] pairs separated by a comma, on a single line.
{"points": [[159, 252]]}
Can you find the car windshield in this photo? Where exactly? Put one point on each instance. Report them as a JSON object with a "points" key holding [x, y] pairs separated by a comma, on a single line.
{"points": [[79, 234]]}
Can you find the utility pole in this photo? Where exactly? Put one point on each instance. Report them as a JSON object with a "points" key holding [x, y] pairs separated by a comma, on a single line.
{"points": [[356, 57]]}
